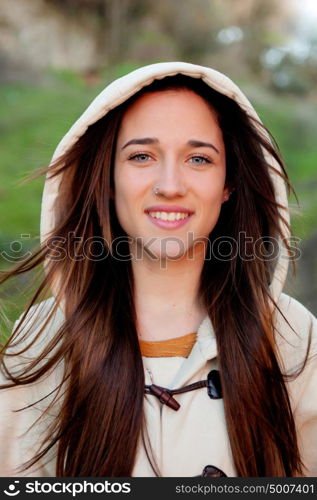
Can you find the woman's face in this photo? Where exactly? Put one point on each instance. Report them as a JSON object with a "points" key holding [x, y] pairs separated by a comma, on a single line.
{"points": [[169, 139]]}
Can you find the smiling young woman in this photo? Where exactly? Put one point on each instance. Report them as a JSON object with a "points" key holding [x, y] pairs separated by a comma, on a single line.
{"points": [[170, 140], [167, 348]]}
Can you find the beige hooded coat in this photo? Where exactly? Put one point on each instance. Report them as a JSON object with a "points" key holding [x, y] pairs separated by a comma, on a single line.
{"points": [[187, 440]]}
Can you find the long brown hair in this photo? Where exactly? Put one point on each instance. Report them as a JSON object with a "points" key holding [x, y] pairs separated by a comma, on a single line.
{"points": [[100, 422]]}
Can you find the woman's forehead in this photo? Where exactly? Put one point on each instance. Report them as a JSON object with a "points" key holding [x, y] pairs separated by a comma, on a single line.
{"points": [[170, 96], [160, 111]]}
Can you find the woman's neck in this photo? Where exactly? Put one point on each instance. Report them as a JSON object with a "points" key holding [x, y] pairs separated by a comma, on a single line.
{"points": [[166, 297]]}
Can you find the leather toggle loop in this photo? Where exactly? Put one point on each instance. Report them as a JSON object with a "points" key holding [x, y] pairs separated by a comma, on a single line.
{"points": [[164, 396]]}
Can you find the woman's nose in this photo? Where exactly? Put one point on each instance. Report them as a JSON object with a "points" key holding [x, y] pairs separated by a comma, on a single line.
{"points": [[171, 182]]}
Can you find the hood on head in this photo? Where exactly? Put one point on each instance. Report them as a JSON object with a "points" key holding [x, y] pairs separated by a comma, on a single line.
{"points": [[119, 91]]}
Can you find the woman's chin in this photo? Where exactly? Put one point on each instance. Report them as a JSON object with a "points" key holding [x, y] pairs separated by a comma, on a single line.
{"points": [[172, 255]]}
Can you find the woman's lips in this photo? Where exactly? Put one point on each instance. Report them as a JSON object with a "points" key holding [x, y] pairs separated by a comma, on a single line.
{"points": [[168, 219]]}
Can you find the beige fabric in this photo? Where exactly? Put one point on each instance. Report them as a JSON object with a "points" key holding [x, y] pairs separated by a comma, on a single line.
{"points": [[184, 442]]}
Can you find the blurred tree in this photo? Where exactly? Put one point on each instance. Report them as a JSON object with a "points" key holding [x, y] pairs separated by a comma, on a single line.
{"points": [[262, 22], [86, 35], [192, 24], [266, 25], [116, 16], [112, 21]]}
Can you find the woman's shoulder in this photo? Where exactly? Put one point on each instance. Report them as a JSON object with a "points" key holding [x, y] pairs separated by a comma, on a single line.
{"points": [[20, 430], [38, 314], [37, 318], [295, 324], [297, 340], [294, 308], [32, 333]]}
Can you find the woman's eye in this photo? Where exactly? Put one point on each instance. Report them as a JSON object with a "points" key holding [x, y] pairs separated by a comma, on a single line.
{"points": [[139, 157], [200, 160]]}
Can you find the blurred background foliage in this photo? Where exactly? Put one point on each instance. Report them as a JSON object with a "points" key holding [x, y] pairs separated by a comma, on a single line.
{"points": [[56, 55]]}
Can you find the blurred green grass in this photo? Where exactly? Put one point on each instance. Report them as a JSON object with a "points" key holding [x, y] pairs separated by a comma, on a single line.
{"points": [[33, 119], [292, 121]]}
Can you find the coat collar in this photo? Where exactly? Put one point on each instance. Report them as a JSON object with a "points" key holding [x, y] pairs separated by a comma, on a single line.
{"points": [[205, 349]]}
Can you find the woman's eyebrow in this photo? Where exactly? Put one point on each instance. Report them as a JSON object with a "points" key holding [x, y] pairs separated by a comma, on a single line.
{"points": [[153, 140], [144, 140], [200, 144]]}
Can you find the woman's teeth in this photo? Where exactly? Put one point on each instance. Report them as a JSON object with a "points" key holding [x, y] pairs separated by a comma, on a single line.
{"points": [[169, 215]]}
